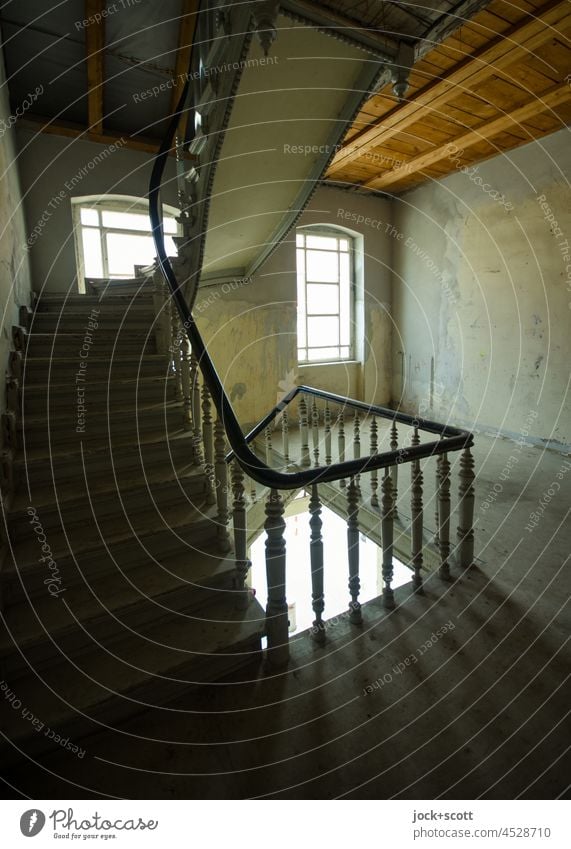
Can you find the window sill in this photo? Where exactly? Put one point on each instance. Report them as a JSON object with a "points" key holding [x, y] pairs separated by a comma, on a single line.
{"points": [[329, 363]]}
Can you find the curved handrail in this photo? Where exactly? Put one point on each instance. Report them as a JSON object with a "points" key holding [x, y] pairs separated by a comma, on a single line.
{"points": [[453, 438]]}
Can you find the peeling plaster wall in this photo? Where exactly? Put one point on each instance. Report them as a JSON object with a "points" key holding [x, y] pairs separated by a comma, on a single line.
{"points": [[46, 163], [251, 326], [482, 294], [14, 267]]}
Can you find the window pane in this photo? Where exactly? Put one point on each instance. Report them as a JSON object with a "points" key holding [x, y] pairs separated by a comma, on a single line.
{"points": [[170, 247], [169, 226], [344, 267], [323, 331], [322, 266], [301, 355], [343, 244], [299, 240], [325, 243], [322, 299], [92, 260], [345, 312], [89, 217], [301, 335], [321, 354], [124, 252], [345, 352], [126, 220]]}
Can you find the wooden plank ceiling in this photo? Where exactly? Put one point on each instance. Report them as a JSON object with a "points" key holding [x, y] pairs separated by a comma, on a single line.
{"points": [[500, 81]]}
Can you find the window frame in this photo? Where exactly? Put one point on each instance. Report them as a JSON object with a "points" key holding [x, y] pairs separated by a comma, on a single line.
{"points": [[110, 203], [339, 234]]}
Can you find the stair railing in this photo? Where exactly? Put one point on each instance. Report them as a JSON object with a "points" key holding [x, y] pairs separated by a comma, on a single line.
{"points": [[284, 475]]}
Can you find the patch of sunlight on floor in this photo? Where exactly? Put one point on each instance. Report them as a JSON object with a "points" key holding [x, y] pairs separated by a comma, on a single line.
{"points": [[335, 571]]}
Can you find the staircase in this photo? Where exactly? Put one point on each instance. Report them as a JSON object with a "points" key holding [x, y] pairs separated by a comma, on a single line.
{"points": [[118, 592]]}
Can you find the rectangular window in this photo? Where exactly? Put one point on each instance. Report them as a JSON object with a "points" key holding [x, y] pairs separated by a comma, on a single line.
{"points": [[325, 292], [113, 236]]}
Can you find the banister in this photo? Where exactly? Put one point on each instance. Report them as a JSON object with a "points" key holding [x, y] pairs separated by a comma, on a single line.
{"points": [[451, 438]]}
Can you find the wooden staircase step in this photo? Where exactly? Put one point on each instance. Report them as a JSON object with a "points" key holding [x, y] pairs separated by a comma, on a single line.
{"points": [[73, 700], [91, 499], [59, 464], [47, 369], [116, 531], [111, 344], [36, 400], [38, 631], [64, 426]]}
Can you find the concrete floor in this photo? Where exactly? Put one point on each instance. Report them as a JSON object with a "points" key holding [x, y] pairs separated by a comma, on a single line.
{"points": [[480, 713]]}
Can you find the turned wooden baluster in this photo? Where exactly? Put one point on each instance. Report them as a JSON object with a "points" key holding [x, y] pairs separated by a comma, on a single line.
{"points": [[195, 410], [465, 531], [417, 517], [285, 438], [357, 447], [269, 449], [436, 516], [316, 558], [304, 432], [387, 514], [176, 349], [253, 491], [186, 383], [315, 432], [240, 535], [327, 427], [355, 614], [221, 474], [341, 441], [276, 609], [394, 469], [208, 445], [444, 514], [374, 474]]}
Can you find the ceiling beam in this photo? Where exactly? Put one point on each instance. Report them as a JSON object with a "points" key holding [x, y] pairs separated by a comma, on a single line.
{"points": [[94, 47], [188, 20], [76, 131], [501, 52], [483, 132]]}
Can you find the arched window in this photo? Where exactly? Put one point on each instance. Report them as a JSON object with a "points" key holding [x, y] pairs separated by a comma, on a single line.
{"points": [[325, 294], [113, 235]]}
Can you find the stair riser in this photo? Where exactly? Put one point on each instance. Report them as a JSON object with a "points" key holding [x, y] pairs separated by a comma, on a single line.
{"points": [[85, 303], [95, 429], [82, 511], [55, 371], [110, 349], [61, 469], [35, 403], [108, 630], [89, 566], [131, 322]]}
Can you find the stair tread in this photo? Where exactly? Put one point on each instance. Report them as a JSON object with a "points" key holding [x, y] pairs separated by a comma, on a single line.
{"points": [[93, 358], [62, 494], [146, 406], [28, 621], [73, 692], [103, 534]]}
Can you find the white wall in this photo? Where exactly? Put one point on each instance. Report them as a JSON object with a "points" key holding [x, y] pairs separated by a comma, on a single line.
{"points": [[46, 164], [485, 307], [14, 267]]}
